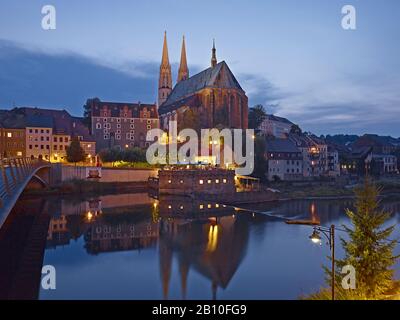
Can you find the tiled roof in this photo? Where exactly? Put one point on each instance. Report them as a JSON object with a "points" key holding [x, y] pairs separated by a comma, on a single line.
{"points": [[116, 107], [39, 121], [281, 145], [219, 76], [189, 101], [279, 119]]}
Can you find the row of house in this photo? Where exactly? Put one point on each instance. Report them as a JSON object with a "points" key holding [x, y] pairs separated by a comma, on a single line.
{"points": [[299, 156], [293, 155], [42, 134]]}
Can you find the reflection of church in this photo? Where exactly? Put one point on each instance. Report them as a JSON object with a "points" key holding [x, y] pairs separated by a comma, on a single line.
{"points": [[213, 247], [212, 98]]}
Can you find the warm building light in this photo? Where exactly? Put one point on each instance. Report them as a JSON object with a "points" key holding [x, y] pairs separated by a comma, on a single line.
{"points": [[19, 153], [217, 205], [9, 134], [89, 215], [169, 207], [217, 181], [169, 181], [201, 206], [89, 145], [126, 146], [209, 206], [201, 181], [181, 207], [208, 181], [224, 180]]}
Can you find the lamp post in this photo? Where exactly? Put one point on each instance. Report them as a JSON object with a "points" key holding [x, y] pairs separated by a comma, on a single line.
{"points": [[329, 233]]}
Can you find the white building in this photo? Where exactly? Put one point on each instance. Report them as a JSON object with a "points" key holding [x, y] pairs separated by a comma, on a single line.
{"points": [[275, 126]]}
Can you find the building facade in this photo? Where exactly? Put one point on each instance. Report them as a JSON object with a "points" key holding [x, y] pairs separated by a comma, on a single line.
{"points": [[12, 135], [122, 125], [285, 160], [39, 131], [212, 98], [275, 126]]}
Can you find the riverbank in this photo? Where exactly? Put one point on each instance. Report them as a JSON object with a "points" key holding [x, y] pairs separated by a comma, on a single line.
{"points": [[330, 191]]}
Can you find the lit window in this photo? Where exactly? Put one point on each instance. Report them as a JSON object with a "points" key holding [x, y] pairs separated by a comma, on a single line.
{"points": [[224, 180], [217, 205], [209, 181], [181, 207], [19, 153], [169, 181], [217, 181], [181, 181], [201, 206], [169, 207], [9, 134], [201, 181], [209, 206]]}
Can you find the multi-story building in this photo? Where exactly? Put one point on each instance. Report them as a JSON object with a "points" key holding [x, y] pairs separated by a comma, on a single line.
{"points": [[121, 125], [39, 131], [48, 133], [333, 162], [383, 164], [12, 135], [275, 126], [315, 154], [285, 160]]}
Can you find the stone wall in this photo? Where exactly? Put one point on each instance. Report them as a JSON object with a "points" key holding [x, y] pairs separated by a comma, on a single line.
{"points": [[108, 174]]}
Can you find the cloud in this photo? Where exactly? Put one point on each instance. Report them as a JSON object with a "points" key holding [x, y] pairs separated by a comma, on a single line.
{"points": [[66, 80]]}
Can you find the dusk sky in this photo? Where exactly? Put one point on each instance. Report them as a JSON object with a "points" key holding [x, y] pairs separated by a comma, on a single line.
{"points": [[292, 56]]}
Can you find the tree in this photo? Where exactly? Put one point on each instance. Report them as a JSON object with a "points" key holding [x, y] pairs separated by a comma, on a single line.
{"points": [[87, 112], [260, 162], [75, 153], [369, 248], [257, 115], [295, 129]]}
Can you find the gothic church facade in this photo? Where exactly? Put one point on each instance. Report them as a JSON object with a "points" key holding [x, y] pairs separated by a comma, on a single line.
{"points": [[212, 98]]}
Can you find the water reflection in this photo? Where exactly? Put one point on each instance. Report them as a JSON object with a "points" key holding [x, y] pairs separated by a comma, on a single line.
{"points": [[185, 248]]}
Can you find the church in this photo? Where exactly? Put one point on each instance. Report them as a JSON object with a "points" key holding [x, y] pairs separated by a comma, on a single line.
{"points": [[212, 98]]}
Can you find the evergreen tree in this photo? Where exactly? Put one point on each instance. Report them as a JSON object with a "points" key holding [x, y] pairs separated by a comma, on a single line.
{"points": [[369, 248]]}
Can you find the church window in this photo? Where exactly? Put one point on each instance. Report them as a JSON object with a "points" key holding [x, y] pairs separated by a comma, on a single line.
{"points": [[98, 126], [118, 137]]}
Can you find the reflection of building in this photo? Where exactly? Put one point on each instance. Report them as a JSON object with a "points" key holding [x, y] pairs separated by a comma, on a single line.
{"points": [[213, 247], [105, 237], [58, 233]]}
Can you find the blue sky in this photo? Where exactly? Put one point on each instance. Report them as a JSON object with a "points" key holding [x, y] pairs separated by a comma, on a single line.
{"points": [[292, 56]]}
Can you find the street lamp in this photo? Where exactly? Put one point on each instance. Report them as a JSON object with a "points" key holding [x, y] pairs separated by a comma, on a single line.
{"points": [[315, 237], [329, 233]]}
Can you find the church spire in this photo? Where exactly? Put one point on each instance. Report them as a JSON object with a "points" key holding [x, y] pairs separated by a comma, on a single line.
{"points": [[165, 79], [183, 73], [214, 55]]}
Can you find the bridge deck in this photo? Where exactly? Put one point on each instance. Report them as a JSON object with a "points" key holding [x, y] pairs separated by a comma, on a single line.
{"points": [[15, 174]]}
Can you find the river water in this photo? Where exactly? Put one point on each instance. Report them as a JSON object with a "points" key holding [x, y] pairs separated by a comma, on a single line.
{"points": [[135, 247]]}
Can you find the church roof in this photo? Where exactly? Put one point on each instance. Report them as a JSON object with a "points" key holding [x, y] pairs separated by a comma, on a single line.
{"points": [[219, 76]]}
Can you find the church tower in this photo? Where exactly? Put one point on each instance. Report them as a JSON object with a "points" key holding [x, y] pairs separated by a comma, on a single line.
{"points": [[214, 56], [183, 72], [165, 80]]}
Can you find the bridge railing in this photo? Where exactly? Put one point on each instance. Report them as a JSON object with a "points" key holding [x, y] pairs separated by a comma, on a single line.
{"points": [[13, 172]]}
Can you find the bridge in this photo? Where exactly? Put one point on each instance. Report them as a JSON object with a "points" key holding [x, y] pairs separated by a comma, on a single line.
{"points": [[18, 174]]}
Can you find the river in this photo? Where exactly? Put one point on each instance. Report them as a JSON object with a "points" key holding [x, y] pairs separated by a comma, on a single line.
{"points": [[135, 247]]}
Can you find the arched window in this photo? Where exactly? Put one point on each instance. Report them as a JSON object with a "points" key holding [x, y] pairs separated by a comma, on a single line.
{"points": [[98, 125]]}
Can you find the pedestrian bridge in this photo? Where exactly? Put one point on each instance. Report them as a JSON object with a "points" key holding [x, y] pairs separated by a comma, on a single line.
{"points": [[18, 174]]}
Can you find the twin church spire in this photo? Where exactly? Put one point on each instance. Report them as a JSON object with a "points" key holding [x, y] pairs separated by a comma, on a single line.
{"points": [[165, 79]]}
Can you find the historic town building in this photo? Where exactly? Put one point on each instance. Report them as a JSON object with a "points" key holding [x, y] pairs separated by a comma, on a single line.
{"points": [[212, 98], [121, 125]]}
